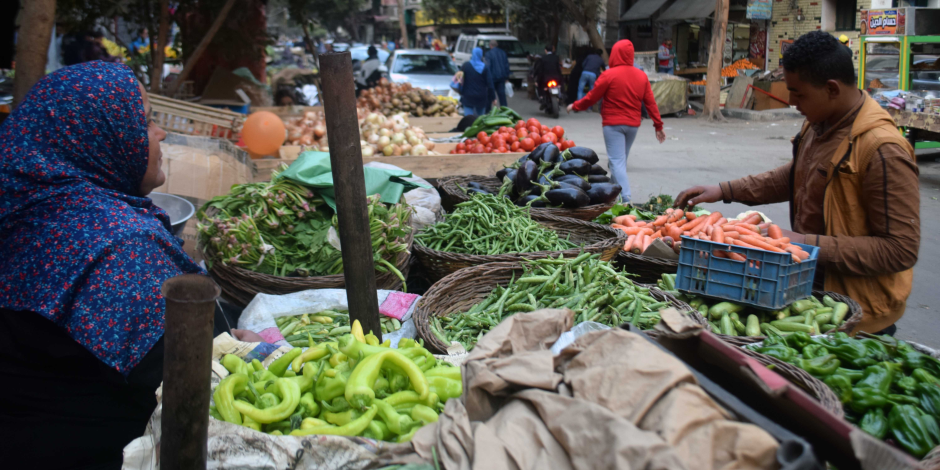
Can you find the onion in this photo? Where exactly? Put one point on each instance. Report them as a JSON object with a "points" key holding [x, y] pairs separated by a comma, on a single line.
{"points": [[406, 149], [295, 133], [387, 150], [419, 150], [398, 138], [372, 118], [414, 140], [367, 151], [409, 134], [429, 145], [310, 116], [385, 132], [306, 140], [373, 138], [319, 131], [384, 141], [396, 150]]}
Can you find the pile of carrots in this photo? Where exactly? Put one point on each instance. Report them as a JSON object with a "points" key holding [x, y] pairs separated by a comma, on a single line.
{"points": [[675, 223]]}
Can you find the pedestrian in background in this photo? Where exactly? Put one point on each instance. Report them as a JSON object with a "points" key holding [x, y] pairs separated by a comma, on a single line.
{"points": [[475, 85], [665, 57], [591, 69], [498, 64], [624, 89]]}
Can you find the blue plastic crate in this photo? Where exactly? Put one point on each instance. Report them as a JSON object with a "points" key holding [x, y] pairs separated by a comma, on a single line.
{"points": [[767, 280]]}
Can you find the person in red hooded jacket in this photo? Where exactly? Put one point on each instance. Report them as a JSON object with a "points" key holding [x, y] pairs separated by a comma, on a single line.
{"points": [[624, 88]]}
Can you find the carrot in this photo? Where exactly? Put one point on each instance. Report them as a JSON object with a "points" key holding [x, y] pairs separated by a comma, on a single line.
{"points": [[718, 235], [779, 242], [753, 219], [698, 229], [743, 230], [695, 223], [709, 229], [676, 215], [675, 232], [744, 244], [773, 231], [691, 216], [638, 244], [737, 256], [628, 245], [795, 250], [656, 234], [624, 220], [618, 226], [646, 242], [721, 221], [641, 223], [731, 234], [635, 230], [661, 220], [760, 243]]}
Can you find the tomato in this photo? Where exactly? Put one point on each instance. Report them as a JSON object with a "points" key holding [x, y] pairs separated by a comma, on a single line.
{"points": [[515, 146], [485, 139], [461, 146], [532, 122], [478, 149], [559, 131], [568, 144], [502, 149], [521, 133], [520, 124], [549, 137], [544, 129], [558, 144], [534, 130], [462, 151], [453, 151], [527, 144]]}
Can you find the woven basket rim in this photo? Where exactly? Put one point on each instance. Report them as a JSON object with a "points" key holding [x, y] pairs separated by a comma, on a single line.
{"points": [[475, 275], [450, 186], [799, 377], [669, 263]]}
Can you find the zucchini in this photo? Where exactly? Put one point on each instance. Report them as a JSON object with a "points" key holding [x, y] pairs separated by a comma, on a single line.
{"points": [[802, 305], [792, 327], [753, 326], [727, 326], [794, 319], [716, 311], [839, 311]]}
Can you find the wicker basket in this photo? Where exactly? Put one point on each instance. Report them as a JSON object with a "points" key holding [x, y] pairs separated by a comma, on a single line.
{"points": [[240, 285], [452, 194], [647, 269], [851, 321], [596, 237], [463, 289], [799, 377]]}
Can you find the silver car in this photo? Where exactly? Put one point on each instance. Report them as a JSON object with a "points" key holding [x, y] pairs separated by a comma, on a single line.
{"points": [[432, 70]]}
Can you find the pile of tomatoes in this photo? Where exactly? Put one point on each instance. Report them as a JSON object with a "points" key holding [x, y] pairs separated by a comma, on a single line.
{"points": [[524, 137]]}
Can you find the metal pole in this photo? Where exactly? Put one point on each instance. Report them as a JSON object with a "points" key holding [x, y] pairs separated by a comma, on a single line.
{"points": [[187, 367], [342, 125]]}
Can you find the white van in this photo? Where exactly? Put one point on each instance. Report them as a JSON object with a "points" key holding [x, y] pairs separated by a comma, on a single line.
{"points": [[517, 55]]}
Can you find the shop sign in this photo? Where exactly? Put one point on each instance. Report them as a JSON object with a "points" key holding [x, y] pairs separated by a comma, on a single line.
{"points": [[759, 9], [875, 22]]}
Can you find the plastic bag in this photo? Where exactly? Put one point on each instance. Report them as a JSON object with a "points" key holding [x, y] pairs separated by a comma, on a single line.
{"points": [[508, 90], [425, 201], [578, 331]]}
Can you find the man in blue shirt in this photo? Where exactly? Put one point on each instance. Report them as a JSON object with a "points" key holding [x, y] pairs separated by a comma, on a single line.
{"points": [[498, 65], [592, 67]]}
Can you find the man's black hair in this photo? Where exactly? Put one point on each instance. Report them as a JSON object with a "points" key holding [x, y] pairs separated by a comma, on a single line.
{"points": [[549, 48], [819, 57]]}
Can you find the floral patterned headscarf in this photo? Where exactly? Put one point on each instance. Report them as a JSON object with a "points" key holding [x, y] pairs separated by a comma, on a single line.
{"points": [[78, 243]]}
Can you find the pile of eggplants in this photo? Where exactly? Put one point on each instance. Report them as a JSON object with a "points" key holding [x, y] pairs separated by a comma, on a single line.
{"points": [[548, 177]]}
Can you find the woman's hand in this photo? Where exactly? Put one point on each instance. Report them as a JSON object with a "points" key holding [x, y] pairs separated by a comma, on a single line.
{"points": [[570, 107], [660, 136], [697, 195], [247, 336]]}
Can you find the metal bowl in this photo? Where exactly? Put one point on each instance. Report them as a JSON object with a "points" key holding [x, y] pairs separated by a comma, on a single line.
{"points": [[179, 210]]}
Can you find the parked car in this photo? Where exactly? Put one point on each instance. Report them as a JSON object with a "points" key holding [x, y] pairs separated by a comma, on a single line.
{"points": [[432, 70], [361, 53], [517, 55]]}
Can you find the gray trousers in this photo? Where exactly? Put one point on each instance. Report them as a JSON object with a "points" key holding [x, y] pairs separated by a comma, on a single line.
{"points": [[619, 139]]}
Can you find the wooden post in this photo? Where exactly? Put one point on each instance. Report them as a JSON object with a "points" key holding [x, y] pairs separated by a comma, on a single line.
{"points": [[401, 23], [712, 109], [342, 125], [157, 52], [36, 21], [187, 367]]}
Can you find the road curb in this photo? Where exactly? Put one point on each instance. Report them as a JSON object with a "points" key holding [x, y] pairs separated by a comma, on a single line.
{"points": [[782, 114]]}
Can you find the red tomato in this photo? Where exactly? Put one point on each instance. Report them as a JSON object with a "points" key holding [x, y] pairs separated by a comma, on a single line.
{"points": [[481, 135], [534, 130], [559, 131], [527, 144], [461, 151], [549, 137], [478, 148], [521, 133], [568, 144], [461, 146], [502, 149], [532, 122], [520, 124], [515, 146], [485, 139], [544, 129], [453, 151], [558, 144]]}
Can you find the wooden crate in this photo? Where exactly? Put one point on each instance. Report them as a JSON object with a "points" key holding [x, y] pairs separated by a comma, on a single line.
{"points": [[188, 118], [287, 111], [435, 124]]}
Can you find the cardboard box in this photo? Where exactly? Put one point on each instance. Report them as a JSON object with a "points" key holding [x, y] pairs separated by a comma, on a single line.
{"points": [[763, 102], [202, 167]]}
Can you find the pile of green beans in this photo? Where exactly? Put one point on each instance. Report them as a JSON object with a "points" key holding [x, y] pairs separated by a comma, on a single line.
{"points": [[588, 286], [490, 225]]}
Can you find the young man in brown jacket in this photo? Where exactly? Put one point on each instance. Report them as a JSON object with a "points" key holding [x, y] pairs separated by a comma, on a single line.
{"points": [[852, 184]]}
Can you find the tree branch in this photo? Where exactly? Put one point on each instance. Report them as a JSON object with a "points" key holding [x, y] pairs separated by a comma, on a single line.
{"points": [[203, 44], [156, 74]]}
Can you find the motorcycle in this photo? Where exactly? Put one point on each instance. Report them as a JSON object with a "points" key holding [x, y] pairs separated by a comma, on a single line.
{"points": [[551, 97]]}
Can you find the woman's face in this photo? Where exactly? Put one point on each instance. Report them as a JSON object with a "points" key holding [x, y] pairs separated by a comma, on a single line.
{"points": [[154, 177]]}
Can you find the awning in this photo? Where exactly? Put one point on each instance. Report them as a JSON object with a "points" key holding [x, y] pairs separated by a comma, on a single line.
{"points": [[642, 10], [688, 10]]}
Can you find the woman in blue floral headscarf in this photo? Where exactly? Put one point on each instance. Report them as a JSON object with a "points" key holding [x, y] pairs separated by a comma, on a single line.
{"points": [[84, 253]]}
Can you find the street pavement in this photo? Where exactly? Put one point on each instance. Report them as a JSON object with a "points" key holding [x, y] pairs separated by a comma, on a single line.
{"points": [[700, 152]]}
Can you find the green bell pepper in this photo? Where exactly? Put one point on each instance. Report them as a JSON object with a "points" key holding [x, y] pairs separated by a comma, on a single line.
{"points": [[779, 351], [819, 366], [798, 339], [864, 399], [850, 352], [909, 431], [875, 423], [342, 417], [929, 395], [912, 359], [279, 366], [907, 384], [878, 377], [876, 349], [923, 376], [851, 374], [311, 408], [224, 396], [841, 385], [897, 399], [332, 384], [811, 351]]}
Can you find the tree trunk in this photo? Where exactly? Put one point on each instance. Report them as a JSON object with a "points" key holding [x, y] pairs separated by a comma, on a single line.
{"points": [[585, 13], [156, 75], [32, 48], [401, 23], [203, 44], [555, 32], [309, 41], [712, 109]]}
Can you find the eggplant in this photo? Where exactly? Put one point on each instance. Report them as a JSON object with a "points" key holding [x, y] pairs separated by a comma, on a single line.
{"points": [[551, 154], [543, 181], [598, 179], [576, 166], [583, 153], [568, 198], [522, 201], [523, 158], [525, 176], [477, 191], [501, 173], [536, 154], [565, 184], [598, 170], [575, 181], [511, 174], [474, 184], [602, 193]]}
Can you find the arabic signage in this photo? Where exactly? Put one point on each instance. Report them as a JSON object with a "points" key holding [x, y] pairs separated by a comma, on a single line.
{"points": [[759, 9], [876, 22]]}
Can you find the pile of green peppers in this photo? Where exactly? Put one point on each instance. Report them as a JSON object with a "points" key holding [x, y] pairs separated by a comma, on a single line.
{"points": [[347, 387], [889, 389]]}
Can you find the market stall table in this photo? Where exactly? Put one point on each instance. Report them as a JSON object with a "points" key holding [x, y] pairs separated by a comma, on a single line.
{"points": [[920, 126]]}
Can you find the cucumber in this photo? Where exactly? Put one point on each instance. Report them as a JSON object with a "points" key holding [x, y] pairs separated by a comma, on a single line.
{"points": [[802, 305], [753, 326], [789, 326], [739, 327], [839, 311], [827, 327], [716, 311], [770, 330], [823, 319], [794, 319], [727, 326]]}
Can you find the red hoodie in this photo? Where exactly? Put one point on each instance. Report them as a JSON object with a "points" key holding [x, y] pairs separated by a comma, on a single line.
{"points": [[622, 87]]}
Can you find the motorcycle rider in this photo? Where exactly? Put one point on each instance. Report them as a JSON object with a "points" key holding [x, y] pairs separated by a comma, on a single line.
{"points": [[547, 68]]}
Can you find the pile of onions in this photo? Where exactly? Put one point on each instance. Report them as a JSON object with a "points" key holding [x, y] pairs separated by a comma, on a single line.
{"points": [[392, 136], [308, 130]]}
